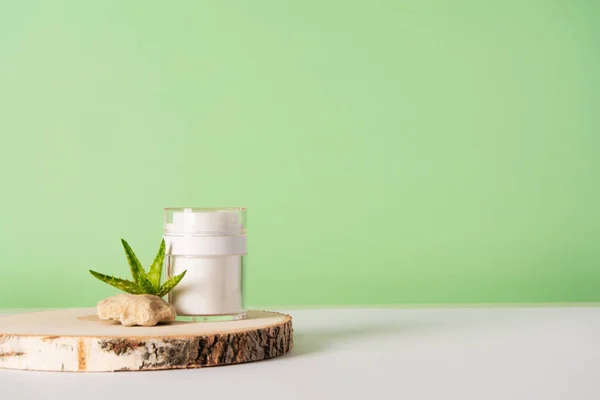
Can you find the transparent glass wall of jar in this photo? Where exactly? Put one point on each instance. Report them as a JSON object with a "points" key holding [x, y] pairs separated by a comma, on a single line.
{"points": [[211, 245]]}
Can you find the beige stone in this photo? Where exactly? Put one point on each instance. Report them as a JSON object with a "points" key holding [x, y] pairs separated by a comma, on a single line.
{"points": [[136, 309]]}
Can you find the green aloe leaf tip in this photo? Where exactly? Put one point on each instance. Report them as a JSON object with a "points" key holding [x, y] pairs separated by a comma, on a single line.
{"points": [[143, 282]]}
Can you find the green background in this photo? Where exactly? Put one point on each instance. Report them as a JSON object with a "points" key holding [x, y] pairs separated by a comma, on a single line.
{"points": [[389, 151]]}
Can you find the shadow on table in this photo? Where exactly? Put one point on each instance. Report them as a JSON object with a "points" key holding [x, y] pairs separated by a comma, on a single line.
{"points": [[316, 341]]}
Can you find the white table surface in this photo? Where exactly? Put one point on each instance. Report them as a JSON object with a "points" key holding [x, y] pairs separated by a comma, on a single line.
{"points": [[453, 353]]}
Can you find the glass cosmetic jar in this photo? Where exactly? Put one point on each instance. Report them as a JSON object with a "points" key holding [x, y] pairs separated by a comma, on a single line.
{"points": [[211, 245]]}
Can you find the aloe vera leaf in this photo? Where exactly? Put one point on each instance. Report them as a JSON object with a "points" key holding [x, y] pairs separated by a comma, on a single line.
{"points": [[170, 284], [156, 268], [137, 271], [122, 284]]}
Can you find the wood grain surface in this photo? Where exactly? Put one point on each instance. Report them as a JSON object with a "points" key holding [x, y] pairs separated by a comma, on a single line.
{"points": [[76, 340]]}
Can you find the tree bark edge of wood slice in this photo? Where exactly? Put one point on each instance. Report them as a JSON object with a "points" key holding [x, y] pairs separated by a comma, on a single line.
{"points": [[265, 336]]}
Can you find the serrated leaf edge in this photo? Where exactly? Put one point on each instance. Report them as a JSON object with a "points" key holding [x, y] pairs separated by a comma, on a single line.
{"points": [[121, 284], [170, 284]]}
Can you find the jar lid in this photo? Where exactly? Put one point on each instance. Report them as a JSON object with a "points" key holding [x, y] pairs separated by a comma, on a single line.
{"points": [[205, 221]]}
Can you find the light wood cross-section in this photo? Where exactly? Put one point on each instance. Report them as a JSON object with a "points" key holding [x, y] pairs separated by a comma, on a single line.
{"points": [[76, 340]]}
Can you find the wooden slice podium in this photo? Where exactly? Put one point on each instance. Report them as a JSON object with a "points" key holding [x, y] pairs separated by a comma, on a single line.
{"points": [[76, 340]]}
